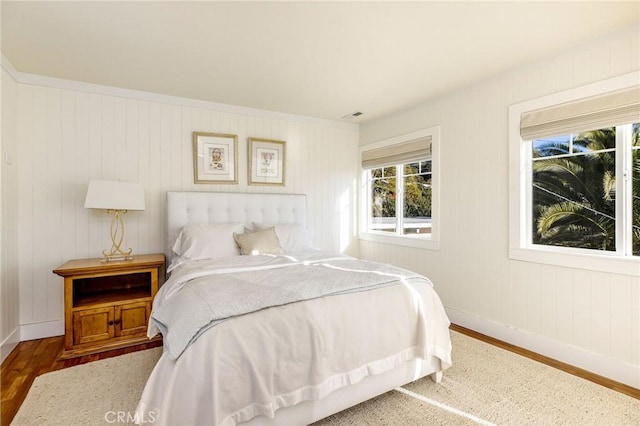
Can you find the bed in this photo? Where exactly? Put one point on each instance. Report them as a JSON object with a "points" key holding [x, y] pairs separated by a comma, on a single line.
{"points": [[286, 335]]}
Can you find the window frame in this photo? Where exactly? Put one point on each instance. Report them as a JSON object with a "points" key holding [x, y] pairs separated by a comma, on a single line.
{"points": [[520, 184], [425, 241]]}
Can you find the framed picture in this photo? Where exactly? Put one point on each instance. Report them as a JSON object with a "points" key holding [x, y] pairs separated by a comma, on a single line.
{"points": [[266, 162], [215, 158]]}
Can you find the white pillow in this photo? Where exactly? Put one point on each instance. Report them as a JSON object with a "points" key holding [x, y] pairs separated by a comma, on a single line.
{"points": [[207, 240], [176, 261], [292, 237], [259, 242]]}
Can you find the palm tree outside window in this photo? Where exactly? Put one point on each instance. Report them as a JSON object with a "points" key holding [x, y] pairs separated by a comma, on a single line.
{"points": [[576, 199]]}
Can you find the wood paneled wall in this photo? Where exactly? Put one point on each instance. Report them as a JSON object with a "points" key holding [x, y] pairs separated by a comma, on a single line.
{"points": [[9, 288], [69, 133], [566, 310]]}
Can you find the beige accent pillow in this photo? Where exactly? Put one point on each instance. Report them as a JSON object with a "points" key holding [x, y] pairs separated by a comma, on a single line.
{"points": [[292, 237], [261, 242]]}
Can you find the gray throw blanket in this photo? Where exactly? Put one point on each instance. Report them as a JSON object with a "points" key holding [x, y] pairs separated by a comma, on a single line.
{"points": [[212, 297]]}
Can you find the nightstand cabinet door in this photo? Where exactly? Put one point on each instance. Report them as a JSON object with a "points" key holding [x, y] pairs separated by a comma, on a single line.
{"points": [[132, 319], [93, 325]]}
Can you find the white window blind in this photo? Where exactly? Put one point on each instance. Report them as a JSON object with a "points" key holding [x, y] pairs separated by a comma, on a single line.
{"points": [[401, 153], [597, 112]]}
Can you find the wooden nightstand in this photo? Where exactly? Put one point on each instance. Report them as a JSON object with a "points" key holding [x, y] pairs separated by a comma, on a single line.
{"points": [[107, 304]]}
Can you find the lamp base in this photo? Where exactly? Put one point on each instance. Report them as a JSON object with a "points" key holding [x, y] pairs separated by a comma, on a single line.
{"points": [[117, 235], [116, 258]]}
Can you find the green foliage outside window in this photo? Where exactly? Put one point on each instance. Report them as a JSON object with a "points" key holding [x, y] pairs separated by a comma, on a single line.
{"points": [[574, 192], [383, 188], [417, 191]]}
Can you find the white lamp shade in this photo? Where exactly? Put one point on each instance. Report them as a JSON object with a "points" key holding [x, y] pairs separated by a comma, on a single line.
{"points": [[103, 194]]}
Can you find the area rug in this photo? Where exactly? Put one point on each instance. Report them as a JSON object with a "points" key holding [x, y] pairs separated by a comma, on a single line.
{"points": [[486, 385]]}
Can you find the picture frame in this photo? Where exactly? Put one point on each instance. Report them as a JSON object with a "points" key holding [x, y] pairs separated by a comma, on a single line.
{"points": [[267, 162], [215, 158]]}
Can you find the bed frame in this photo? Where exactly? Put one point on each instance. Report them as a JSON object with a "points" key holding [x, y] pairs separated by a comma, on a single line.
{"points": [[227, 207]]}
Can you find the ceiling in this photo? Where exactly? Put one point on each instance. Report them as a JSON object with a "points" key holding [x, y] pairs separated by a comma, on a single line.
{"points": [[319, 59]]}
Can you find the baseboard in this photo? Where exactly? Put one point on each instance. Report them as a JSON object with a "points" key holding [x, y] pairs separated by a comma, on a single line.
{"points": [[9, 344], [40, 330], [37, 330], [605, 366]]}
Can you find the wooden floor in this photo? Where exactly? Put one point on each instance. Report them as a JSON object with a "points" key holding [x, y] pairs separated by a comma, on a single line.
{"points": [[35, 357]]}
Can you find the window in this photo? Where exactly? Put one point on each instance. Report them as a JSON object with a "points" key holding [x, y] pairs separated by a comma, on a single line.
{"points": [[399, 190], [575, 187], [409, 192], [575, 178]]}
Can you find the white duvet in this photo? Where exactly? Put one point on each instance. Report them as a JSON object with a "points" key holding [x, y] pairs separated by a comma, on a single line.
{"points": [[256, 363]]}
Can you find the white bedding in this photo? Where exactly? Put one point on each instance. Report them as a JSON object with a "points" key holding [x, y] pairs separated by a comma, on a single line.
{"points": [[254, 364]]}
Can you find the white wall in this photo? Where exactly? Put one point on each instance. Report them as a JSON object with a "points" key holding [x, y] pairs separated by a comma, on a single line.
{"points": [[71, 132], [9, 289], [588, 319]]}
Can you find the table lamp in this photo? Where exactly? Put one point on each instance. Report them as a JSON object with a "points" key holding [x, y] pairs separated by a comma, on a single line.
{"points": [[116, 198]]}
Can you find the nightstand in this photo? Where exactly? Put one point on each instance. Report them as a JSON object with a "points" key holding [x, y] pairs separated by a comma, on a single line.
{"points": [[107, 304]]}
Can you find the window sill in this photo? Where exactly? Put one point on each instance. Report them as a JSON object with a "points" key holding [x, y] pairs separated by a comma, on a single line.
{"points": [[591, 262], [406, 241]]}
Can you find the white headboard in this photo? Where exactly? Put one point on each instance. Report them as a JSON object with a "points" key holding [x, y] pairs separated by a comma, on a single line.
{"points": [[231, 207]]}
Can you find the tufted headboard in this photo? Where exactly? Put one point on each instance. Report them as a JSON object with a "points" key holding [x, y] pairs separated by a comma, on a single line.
{"points": [[231, 207]]}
